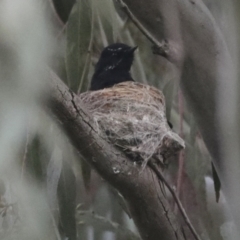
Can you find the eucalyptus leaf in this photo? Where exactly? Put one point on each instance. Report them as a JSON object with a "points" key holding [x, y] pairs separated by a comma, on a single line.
{"points": [[36, 156], [108, 19], [79, 41], [67, 201], [169, 91], [103, 35], [193, 130]]}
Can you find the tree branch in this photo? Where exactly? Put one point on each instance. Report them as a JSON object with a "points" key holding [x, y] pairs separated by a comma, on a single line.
{"points": [[148, 205]]}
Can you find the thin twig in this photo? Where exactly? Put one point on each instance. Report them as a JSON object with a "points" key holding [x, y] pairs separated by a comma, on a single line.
{"points": [[181, 155], [159, 48], [25, 155], [178, 202]]}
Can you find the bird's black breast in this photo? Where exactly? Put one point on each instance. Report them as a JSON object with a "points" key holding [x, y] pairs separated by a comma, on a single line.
{"points": [[108, 79]]}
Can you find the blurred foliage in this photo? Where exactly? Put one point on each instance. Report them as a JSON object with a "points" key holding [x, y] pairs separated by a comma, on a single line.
{"points": [[34, 159], [79, 44], [67, 202], [63, 8], [88, 26]]}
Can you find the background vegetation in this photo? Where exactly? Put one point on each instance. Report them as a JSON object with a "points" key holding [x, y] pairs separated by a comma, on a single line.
{"points": [[44, 182]]}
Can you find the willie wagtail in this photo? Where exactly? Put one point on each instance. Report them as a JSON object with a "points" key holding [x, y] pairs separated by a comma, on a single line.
{"points": [[113, 66]]}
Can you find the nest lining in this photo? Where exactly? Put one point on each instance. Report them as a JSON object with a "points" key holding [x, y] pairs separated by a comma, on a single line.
{"points": [[132, 117]]}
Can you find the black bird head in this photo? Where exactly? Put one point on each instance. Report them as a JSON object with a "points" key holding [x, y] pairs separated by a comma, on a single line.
{"points": [[113, 66]]}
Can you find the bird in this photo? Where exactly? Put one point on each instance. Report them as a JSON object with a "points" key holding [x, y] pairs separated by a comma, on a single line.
{"points": [[113, 66]]}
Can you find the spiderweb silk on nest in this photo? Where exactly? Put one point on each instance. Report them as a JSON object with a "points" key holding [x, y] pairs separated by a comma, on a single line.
{"points": [[132, 117]]}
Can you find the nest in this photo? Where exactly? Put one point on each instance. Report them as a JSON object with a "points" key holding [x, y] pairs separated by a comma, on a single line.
{"points": [[132, 117]]}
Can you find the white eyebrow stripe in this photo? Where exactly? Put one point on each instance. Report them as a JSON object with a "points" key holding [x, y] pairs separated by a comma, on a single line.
{"points": [[116, 49]]}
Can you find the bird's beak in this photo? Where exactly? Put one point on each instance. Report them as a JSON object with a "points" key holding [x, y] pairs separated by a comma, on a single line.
{"points": [[133, 49]]}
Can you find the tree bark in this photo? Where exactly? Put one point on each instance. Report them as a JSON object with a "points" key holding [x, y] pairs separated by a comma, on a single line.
{"points": [[142, 191]]}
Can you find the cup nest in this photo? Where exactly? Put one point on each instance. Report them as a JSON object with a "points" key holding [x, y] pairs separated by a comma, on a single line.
{"points": [[131, 116]]}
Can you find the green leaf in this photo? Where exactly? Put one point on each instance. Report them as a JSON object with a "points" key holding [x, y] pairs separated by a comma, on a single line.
{"points": [[169, 92], [107, 19], [86, 173], [79, 44], [67, 201], [35, 159]]}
